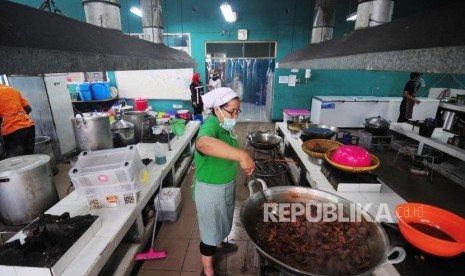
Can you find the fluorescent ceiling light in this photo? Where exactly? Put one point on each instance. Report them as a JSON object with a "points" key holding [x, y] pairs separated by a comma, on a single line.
{"points": [[228, 13], [352, 16], [136, 11]]}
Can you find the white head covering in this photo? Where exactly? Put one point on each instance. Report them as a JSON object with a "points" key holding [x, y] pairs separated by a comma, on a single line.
{"points": [[218, 96]]}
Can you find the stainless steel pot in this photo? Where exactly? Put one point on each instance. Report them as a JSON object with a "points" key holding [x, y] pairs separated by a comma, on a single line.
{"points": [[377, 125], [92, 131], [450, 120], [460, 100], [141, 121], [123, 133], [43, 145], [26, 188], [377, 240], [301, 119], [263, 141], [377, 122]]}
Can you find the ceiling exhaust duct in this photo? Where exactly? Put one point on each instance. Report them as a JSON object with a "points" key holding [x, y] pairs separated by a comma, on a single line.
{"points": [[323, 22], [103, 13], [34, 42], [430, 41], [151, 20], [373, 13]]}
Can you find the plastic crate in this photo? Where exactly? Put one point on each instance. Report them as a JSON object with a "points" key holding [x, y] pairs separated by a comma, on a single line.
{"points": [[107, 172], [113, 200]]}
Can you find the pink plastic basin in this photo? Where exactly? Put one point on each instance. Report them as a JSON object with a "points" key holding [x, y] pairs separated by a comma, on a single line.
{"points": [[350, 155]]}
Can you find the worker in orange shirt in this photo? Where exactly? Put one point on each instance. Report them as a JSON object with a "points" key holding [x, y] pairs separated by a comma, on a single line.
{"points": [[17, 129]]}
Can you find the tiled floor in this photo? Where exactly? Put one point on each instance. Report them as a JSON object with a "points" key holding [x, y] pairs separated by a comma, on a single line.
{"points": [[252, 113], [181, 239]]}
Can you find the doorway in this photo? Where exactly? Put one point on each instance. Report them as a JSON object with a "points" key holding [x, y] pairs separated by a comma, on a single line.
{"points": [[248, 68]]}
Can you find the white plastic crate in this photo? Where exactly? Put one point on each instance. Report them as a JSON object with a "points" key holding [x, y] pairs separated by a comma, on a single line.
{"points": [[107, 172], [113, 200]]}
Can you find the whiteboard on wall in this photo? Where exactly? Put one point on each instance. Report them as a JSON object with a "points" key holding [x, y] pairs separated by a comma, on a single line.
{"points": [[166, 84]]}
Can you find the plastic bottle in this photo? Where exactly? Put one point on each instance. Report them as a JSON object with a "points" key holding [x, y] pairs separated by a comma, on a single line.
{"points": [[160, 153]]}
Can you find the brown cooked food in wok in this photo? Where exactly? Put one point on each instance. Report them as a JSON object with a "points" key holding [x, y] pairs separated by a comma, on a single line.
{"points": [[329, 248]]}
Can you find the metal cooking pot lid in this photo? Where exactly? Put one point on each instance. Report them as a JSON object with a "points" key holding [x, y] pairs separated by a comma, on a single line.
{"points": [[377, 122], [20, 164], [91, 116], [137, 113], [121, 124]]}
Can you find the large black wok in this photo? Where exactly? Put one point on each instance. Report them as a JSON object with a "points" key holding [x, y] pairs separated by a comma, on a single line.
{"points": [[263, 140], [377, 125], [319, 131], [252, 213]]}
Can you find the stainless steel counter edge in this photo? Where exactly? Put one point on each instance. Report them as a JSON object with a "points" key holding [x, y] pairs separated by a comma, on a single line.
{"points": [[116, 221], [318, 181], [459, 108]]}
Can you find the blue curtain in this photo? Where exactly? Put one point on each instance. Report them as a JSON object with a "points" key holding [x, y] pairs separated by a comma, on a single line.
{"points": [[254, 76]]}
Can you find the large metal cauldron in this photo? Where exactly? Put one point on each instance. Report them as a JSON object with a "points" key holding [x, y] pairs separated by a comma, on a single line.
{"points": [[92, 131], [263, 141], [141, 121], [43, 145], [252, 212], [26, 188]]}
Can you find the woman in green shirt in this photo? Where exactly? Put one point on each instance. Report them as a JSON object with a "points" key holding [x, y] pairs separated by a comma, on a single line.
{"points": [[217, 158]]}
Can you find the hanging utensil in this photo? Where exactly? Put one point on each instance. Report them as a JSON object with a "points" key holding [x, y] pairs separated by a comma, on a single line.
{"points": [[274, 206]]}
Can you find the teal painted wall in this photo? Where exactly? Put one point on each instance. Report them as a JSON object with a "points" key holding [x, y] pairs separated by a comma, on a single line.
{"points": [[289, 23]]}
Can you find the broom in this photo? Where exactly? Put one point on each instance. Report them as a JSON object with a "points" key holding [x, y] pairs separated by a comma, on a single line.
{"points": [[152, 254]]}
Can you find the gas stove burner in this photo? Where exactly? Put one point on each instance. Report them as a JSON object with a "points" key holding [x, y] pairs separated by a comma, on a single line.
{"points": [[48, 239], [269, 168], [342, 180]]}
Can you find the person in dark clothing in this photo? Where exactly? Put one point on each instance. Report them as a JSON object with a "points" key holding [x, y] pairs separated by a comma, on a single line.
{"points": [[196, 92], [408, 98]]}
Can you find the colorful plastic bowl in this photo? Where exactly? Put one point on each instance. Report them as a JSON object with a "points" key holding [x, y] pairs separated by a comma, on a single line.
{"points": [[353, 156], [419, 224]]}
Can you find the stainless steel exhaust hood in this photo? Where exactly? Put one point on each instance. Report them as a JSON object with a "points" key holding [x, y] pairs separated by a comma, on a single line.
{"points": [[34, 41], [431, 41]]}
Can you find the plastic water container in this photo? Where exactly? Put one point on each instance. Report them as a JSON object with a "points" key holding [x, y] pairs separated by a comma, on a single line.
{"points": [[160, 153], [107, 89], [98, 91], [84, 91], [140, 104]]}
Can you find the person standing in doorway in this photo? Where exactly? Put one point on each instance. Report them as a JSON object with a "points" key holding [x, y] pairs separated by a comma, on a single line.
{"points": [[214, 82], [408, 98], [18, 129], [238, 86], [196, 94], [217, 158]]}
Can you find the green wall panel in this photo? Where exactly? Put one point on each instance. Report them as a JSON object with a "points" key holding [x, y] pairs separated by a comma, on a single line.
{"points": [[289, 23]]}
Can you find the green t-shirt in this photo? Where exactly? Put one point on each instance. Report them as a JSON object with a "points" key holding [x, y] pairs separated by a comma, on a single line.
{"points": [[214, 170]]}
